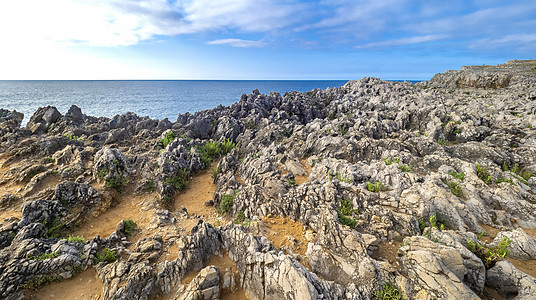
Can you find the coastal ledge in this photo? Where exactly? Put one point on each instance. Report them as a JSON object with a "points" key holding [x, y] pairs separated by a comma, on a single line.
{"points": [[420, 190]]}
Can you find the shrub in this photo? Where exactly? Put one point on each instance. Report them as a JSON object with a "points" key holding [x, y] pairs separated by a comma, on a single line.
{"points": [[405, 168], [215, 172], [149, 185], [116, 183], [389, 291], [228, 146], [40, 280], [226, 203], [291, 182], [54, 227], [483, 174], [170, 136], [490, 256], [389, 161], [460, 175], [50, 160], [504, 180], [240, 218], [76, 239], [346, 207], [374, 187], [455, 189], [106, 255], [437, 221], [129, 227], [44, 256], [101, 173], [344, 178], [343, 130], [344, 220], [442, 142], [179, 181]]}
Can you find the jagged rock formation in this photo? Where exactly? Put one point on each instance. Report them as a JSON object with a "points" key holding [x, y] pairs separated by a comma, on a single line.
{"points": [[391, 185]]}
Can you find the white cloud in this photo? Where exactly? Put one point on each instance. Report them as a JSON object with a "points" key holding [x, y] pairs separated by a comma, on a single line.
{"points": [[404, 41], [127, 22], [238, 43]]}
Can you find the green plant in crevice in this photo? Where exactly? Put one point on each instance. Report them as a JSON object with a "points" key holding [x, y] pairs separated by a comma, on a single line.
{"points": [[215, 172], [149, 185], [454, 187], [502, 179], [44, 256], [344, 220], [442, 142], [389, 291], [226, 203], [483, 174], [406, 168], [130, 225], [490, 256], [389, 161], [346, 207], [76, 239], [106, 255], [117, 182], [240, 218], [291, 182], [460, 175], [162, 144], [374, 187], [101, 173], [179, 181]]}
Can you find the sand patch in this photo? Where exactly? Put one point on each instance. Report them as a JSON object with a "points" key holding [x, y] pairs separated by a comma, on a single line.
{"points": [[286, 234], [491, 233], [85, 285], [525, 266], [128, 207], [200, 190], [388, 252], [304, 178]]}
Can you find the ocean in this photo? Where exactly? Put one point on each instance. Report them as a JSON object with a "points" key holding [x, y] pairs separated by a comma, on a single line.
{"points": [[157, 99]]}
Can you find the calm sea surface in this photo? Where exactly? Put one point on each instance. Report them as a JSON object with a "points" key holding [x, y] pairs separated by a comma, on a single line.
{"points": [[157, 99]]}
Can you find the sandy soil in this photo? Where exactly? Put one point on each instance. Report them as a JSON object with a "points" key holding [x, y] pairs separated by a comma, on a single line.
{"points": [[388, 252], [127, 207], [201, 190], [85, 285], [284, 232]]}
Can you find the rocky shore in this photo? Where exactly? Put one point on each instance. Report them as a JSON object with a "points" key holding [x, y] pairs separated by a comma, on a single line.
{"points": [[369, 190]]}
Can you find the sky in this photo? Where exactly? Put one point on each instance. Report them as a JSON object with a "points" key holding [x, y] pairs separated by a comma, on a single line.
{"points": [[259, 39]]}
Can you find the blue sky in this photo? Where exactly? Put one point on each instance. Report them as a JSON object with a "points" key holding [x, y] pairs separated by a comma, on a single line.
{"points": [[259, 39]]}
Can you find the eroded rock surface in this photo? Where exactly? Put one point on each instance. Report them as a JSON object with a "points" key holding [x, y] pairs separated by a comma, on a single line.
{"points": [[328, 194]]}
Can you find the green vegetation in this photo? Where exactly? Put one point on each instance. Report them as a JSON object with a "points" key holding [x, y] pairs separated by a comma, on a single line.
{"points": [[54, 227], [437, 221], [40, 280], [129, 227], [374, 187], [240, 218], [341, 178], [454, 187], [106, 255], [117, 183], [490, 256], [346, 207], [291, 182], [226, 203], [76, 239], [162, 144], [406, 168], [515, 114], [180, 181], [149, 185], [101, 173], [344, 212], [71, 137], [483, 174], [389, 161], [212, 150], [529, 126], [215, 172], [504, 180], [517, 174], [343, 130], [344, 220], [50, 160], [75, 269], [442, 142], [389, 291], [54, 172], [44, 256], [460, 175]]}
